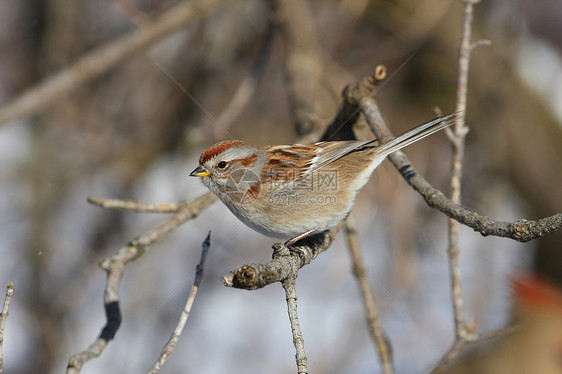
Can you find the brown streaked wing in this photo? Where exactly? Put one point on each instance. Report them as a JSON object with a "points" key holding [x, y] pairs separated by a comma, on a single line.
{"points": [[289, 162]]}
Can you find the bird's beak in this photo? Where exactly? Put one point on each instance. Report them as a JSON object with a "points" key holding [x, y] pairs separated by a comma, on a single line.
{"points": [[200, 172]]}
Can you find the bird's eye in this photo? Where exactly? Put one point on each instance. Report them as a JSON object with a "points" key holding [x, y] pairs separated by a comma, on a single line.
{"points": [[222, 165]]}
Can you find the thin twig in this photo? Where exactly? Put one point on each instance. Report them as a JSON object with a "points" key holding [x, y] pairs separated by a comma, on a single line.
{"points": [[115, 268], [135, 206], [459, 133], [368, 295], [3, 317], [359, 269], [298, 340], [171, 344], [104, 58]]}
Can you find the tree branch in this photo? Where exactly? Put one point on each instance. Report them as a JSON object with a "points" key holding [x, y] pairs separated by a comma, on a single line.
{"points": [[298, 340], [368, 295], [285, 263], [457, 141], [3, 317], [135, 206], [115, 268], [104, 58], [171, 344], [358, 95]]}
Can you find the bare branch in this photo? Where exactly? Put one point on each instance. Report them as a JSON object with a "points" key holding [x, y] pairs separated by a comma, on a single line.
{"points": [[135, 206], [359, 269], [104, 58], [368, 298], [171, 344], [115, 268], [523, 230], [298, 340], [285, 263], [3, 317], [459, 132]]}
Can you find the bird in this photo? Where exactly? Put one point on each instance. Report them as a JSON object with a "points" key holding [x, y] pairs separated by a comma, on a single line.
{"points": [[295, 190]]}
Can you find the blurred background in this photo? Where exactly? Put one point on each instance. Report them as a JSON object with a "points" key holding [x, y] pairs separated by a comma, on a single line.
{"points": [[134, 133]]}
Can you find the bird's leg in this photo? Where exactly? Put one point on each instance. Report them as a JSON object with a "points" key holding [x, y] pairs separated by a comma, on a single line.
{"points": [[290, 242]]}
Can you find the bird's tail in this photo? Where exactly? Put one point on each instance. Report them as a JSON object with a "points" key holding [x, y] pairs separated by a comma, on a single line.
{"points": [[416, 134]]}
